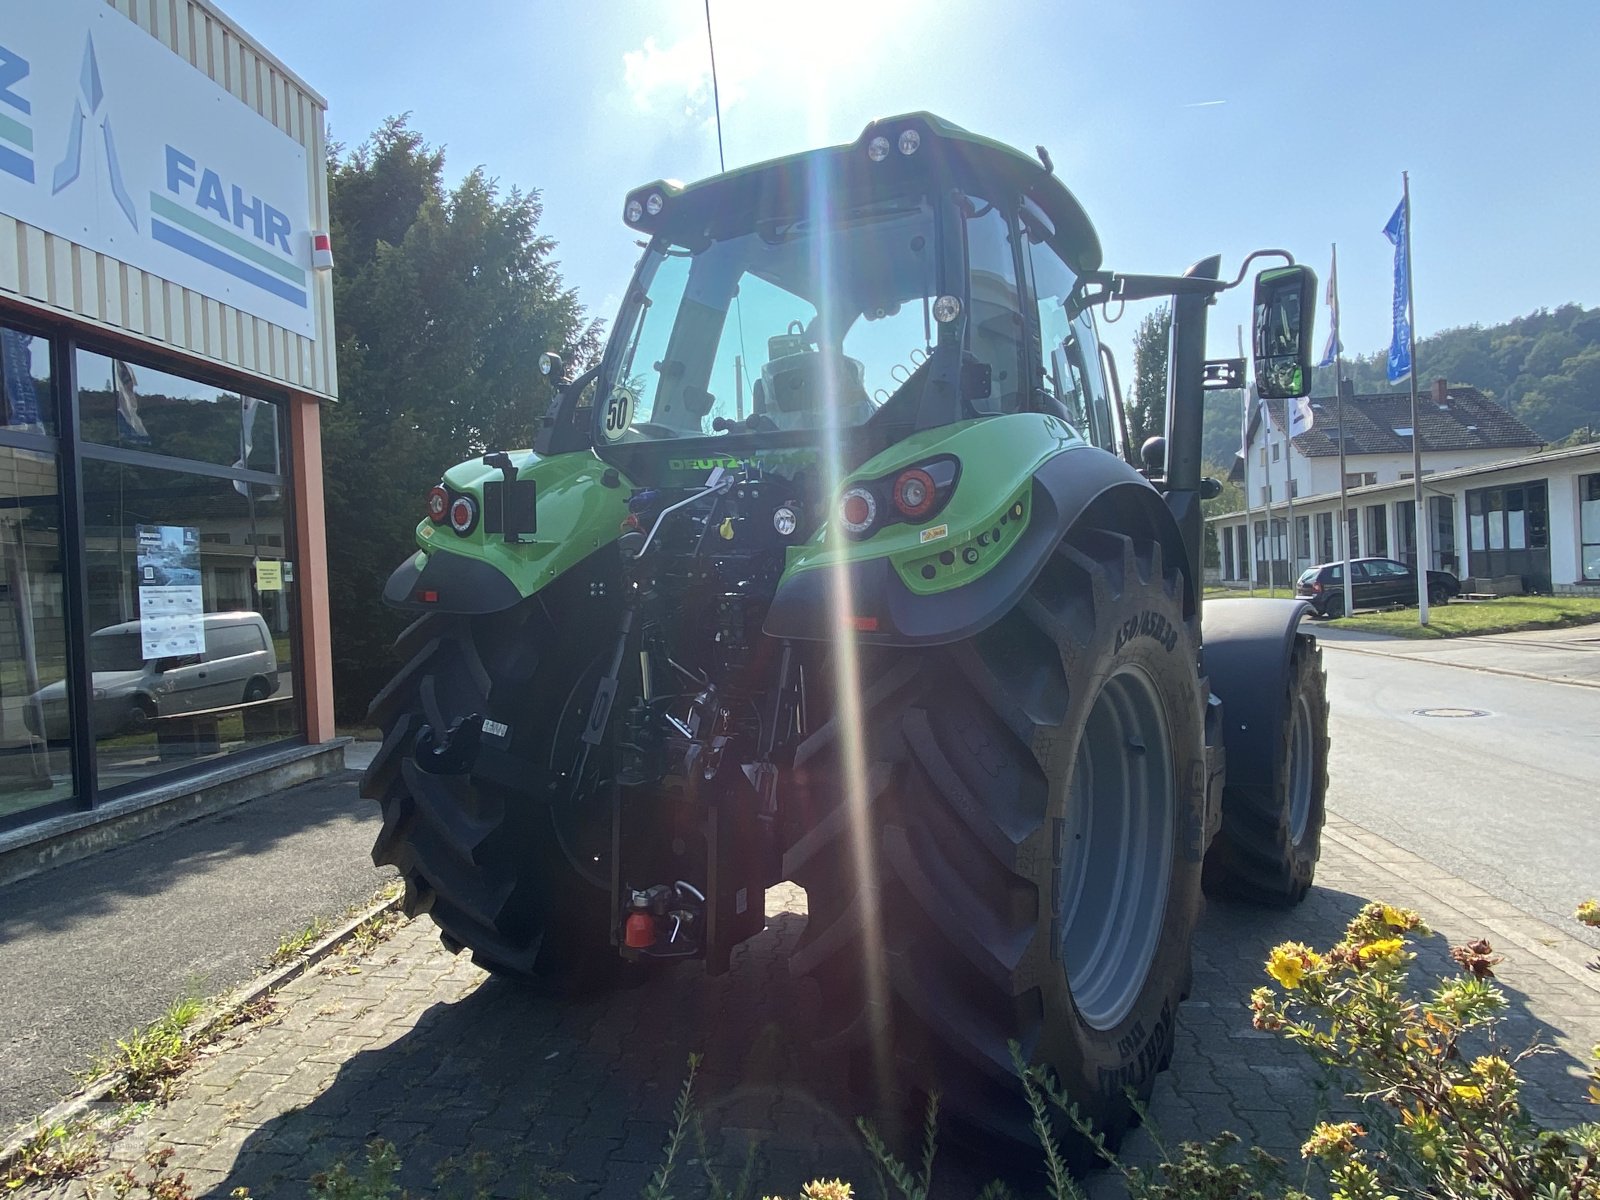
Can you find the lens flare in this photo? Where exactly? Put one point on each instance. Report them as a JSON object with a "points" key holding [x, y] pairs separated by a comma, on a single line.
{"points": [[846, 623]]}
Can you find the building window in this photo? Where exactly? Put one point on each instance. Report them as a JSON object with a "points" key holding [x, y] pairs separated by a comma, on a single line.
{"points": [[1266, 494], [1275, 451], [191, 600], [35, 719], [1510, 518], [1377, 531], [1443, 542], [1227, 553], [1405, 531], [1589, 525], [1355, 479], [1325, 552], [1352, 529], [1302, 538]]}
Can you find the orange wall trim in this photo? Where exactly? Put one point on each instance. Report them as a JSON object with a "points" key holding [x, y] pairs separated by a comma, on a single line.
{"points": [[311, 571]]}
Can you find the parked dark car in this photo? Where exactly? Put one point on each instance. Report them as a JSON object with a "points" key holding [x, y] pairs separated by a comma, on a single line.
{"points": [[1374, 583]]}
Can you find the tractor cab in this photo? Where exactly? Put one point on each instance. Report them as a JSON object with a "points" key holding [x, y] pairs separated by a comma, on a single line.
{"points": [[850, 297]]}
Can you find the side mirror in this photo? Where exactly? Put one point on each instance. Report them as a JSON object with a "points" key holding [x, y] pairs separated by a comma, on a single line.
{"points": [[552, 368], [1286, 299]]}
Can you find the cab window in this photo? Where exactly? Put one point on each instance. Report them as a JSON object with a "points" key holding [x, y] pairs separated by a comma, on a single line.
{"points": [[1069, 370], [995, 326]]}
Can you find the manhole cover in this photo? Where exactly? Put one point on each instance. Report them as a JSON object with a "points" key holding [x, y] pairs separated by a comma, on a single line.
{"points": [[1449, 712]]}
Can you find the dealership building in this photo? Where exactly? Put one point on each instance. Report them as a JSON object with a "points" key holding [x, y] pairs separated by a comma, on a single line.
{"points": [[166, 332]]}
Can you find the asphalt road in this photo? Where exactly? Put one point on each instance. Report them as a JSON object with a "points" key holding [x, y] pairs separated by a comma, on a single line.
{"points": [[1509, 800], [94, 949]]}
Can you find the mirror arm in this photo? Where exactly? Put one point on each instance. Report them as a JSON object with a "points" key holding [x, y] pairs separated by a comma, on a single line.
{"points": [[1097, 287], [558, 432]]}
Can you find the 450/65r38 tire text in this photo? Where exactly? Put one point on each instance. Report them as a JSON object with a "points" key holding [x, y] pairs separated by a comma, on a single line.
{"points": [[1036, 823], [497, 866]]}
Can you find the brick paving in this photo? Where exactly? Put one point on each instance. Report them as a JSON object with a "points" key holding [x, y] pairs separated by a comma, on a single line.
{"points": [[574, 1099]]}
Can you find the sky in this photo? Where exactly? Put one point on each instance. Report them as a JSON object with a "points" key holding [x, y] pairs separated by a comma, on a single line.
{"points": [[1184, 128]]}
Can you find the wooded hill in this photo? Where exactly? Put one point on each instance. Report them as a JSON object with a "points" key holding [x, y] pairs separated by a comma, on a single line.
{"points": [[1544, 367]]}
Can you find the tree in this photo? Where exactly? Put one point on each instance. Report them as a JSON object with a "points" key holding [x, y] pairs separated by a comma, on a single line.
{"points": [[1147, 407], [443, 301]]}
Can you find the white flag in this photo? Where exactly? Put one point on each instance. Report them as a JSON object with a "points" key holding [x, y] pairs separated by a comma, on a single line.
{"points": [[1301, 418]]}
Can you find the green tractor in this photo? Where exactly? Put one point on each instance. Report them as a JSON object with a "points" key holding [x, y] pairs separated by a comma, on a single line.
{"points": [[838, 569]]}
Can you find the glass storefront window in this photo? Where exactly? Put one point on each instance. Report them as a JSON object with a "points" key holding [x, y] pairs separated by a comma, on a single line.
{"points": [[35, 733], [27, 401], [140, 408], [191, 609]]}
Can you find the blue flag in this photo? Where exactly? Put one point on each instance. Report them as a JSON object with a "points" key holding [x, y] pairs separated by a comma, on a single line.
{"points": [[1400, 346]]}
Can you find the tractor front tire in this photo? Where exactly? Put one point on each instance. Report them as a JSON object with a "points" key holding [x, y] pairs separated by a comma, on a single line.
{"points": [[1271, 837], [493, 864], [1019, 857]]}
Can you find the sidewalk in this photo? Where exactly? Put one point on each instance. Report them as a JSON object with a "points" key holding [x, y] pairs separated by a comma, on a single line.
{"points": [[94, 949], [1569, 655], [422, 1049]]}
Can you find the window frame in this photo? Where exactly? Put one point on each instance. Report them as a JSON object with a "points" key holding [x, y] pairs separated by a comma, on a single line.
{"points": [[73, 453]]}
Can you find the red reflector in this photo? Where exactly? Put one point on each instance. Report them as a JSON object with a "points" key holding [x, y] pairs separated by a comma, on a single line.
{"points": [[428, 597], [639, 931], [914, 493], [856, 510], [438, 504], [864, 624]]}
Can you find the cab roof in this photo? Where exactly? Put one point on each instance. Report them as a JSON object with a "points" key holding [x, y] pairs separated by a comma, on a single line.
{"points": [[982, 157]]}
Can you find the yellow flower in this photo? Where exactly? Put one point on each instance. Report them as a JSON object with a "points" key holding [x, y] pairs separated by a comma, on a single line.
{"points": [[827, 1189], [1393, 917], [1290, 962], [1385, 950], [1332, 1141], [1471, 1093]]}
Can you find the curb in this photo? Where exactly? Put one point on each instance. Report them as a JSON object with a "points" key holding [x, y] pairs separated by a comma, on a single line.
{"points": [[1445, 662], [94, 1093]]}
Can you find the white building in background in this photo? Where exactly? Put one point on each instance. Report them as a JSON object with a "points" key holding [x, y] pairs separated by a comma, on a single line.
{"points": [[1461, 427], [1536, 517]]}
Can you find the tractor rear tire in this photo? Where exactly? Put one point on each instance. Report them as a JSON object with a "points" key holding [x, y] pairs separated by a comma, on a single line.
{"points": [[1267, 849], [1024, 862], [492, 864]]}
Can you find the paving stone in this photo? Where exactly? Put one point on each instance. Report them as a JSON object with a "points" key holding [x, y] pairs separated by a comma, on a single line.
{"points": [[572, 1101]]}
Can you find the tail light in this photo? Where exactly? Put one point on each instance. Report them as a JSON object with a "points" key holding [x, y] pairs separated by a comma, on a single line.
{"points": [[910, 495], [438, 504], [858, 510], [463, 515], [915, 493]]}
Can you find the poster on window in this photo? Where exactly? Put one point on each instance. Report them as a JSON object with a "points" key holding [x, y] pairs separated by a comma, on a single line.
{"points": [[170, 610]]}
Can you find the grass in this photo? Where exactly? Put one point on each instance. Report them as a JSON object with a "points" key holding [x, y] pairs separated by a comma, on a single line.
{"points": [[1508, 614], [148, 1061], [296, 944], [54, 1154]]}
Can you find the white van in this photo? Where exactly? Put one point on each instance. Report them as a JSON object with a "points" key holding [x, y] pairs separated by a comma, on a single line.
{"points": [[239, 666]]}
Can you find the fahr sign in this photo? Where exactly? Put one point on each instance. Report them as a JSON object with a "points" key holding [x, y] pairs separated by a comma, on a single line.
{"points": [[111, 140]]}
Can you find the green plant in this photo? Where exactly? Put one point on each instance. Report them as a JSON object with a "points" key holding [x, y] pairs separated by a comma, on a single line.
{"points": [[53, 1153], [296, 944], [375, 1182], [1453, 1121], [156, 1183], [147, 1061]]}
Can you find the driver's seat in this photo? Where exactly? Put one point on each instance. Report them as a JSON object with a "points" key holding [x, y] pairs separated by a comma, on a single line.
{"points": [[793, 389]]}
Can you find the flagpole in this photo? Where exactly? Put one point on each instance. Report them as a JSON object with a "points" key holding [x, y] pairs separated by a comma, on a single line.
{"points": [[1416, 428], [1288, 490], [1338, 391], [1244, 440]]}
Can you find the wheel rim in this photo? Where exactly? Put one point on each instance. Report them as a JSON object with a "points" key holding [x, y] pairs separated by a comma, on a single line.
{"points": [[1298, 774], [1122, 804]]}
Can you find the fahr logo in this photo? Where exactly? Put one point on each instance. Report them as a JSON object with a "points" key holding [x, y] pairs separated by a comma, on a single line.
{"points": [[112, 141], [16, 111], [264, 222], [90, 107]]}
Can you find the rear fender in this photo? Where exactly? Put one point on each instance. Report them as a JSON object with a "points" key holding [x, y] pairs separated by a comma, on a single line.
{"points": [[579, 506], [1248, 645], [1025, 481]]}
